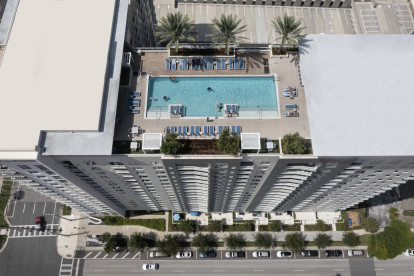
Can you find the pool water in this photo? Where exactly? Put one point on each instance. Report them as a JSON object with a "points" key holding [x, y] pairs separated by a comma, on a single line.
{"points": [[251, 94]]}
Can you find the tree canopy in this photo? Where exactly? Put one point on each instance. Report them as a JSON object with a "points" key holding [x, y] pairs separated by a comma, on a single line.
{"points": [[322, 240], [351, 239], [235, 241], [294, 144], [226, 30], [295, 241], [187, 226], [170, 145], [204, 242], [170, 245], [138, 241], [289, 30], [371, 225], [229, 142], [263, 240]]}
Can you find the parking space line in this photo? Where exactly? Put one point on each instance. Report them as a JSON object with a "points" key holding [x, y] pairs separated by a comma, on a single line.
{"points": [[24, 207], [77, 267], [104, 257], [135, 255], [54, 212], [34, 208], [99, 253], [115, 255], [125, 255], [196, 255], [87, 255], [44, 208]]}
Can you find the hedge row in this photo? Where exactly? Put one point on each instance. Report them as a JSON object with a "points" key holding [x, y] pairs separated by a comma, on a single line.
{"points": [[4, 198], [157, 224]]}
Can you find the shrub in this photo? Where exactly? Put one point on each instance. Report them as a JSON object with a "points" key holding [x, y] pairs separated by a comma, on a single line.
{"points": [[275, 226], [138, 241], [214, 225], [187, 226], [371, 225], [239, 227], [204, 242], [393, 213], [319, 226], [66, 210], [294, 144], [157, 224], [235, 241], [229, 142], [351, 239], [104, 237], [4, 198], [263, 240], [295, 241], [322, 240], [170, 245], [170, 145]]}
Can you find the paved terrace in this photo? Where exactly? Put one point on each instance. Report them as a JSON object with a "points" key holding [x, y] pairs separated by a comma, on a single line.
{"points": [[153, 63]]}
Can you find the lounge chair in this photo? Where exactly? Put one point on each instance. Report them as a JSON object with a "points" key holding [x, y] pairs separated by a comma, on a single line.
{"points": [[197, 130], [233, 129], [211, 130], [291, 106], [184, 130], [218, 64], [133, 104], [172, 129], [167, 129], [178, 110], [167, 64], [205, 132], [185, 64], [220, 130], [238, 130], [173, 64], [241, 64], [198, 64], [234, 109], [236, 64], [206, 65], [228, 111], [210, 64], [134, 94], [172, 109], [180, 130], [231, 64], [193, 64], [192, 132], [133, 111], [181, 64], [223, 64]]}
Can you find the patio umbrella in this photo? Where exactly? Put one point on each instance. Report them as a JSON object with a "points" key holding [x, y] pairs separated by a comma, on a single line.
{"points": [[194, 214], [176, 217]]}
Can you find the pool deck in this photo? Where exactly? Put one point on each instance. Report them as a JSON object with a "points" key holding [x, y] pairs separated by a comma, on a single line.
{"points": [[153, 63]]}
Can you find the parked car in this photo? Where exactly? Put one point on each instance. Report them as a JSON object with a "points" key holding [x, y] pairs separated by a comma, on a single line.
{"points": [[150, 266], [208, 254], [185, 254], [234, 254], [309, 253], [355, 253], [409, 252], [40, 223], [261, 254], [284, 254], [157, 254], [333, 253]]}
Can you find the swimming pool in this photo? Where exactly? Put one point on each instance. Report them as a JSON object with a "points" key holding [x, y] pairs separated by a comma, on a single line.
{"points": [[199, 96]]}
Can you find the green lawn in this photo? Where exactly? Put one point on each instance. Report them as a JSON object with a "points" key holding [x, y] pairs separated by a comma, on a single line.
{"points": [[4, 198], [157, 224]]}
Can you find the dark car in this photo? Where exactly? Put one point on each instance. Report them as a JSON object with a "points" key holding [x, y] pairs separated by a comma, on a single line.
{"points": [[309, 253], [208, 254], [40, 223], [333, 253]]}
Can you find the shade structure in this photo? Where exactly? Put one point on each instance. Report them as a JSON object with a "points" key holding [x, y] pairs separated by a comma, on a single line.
{"points": [[176, 217]]}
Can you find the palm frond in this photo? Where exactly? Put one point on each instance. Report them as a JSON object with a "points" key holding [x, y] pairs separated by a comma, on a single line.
{"points": [[289, 30]]}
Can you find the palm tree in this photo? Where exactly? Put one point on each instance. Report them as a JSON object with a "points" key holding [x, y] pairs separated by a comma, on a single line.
{"points": [[226, 30], [175, 28], [289, 29]]}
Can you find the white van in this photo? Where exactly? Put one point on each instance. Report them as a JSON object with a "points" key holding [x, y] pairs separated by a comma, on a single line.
{"points": [[355, 253], [157, 254]]}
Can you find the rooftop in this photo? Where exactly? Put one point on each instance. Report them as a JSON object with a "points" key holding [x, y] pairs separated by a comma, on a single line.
{"points": [[359, 94]]}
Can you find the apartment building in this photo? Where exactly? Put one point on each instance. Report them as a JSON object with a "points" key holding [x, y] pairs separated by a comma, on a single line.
{"points": [[70, 131]]}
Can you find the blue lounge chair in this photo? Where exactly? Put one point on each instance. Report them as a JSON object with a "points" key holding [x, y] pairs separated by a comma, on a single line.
{"points": [[233, 129], [211, 130], [178, 110], [231, 64], [220, 130], [185, 64], [133, 103], [192, 130], [210, 64], [228, 111], [167, 129], [193, 64], [134, 94], [173, 64], [172, 109], [223, 64], [180, 130], [205, 132], [218, 64], [206, 65], [234, 109], [238, 130], [197, 130], [236, 64], [184, 130], [172, 129], [241, 64], [167, 64], [133, 111], [291, 106], [181, 64], [198, 64]]}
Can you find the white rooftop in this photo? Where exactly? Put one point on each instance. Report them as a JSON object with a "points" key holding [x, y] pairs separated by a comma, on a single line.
{"points": [[359, 94], [53, 71], [250, 141], [151, 141]]}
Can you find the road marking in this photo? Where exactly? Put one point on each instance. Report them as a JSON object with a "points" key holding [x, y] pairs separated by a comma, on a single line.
{"points": [[135, 255], [24, 207], [87, 255], [34, 207], [178, 270], [115, 255], [44, 208], [258, 270], [54, 212], [125, 255], [77, 267], [218, 270], [196, 255], [104, 257], [299, 270], [338, 269], [97, 255], [378, 269]]}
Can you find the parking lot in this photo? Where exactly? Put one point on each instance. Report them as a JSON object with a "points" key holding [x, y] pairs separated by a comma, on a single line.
{"points": [[126, 255]]}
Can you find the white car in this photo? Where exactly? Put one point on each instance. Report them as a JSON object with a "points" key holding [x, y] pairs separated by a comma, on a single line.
{"points": [[181, 255], [409, 252], [150, 266], [284, 254]]}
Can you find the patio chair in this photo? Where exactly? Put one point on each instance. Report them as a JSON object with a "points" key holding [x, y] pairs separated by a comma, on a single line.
{"points": [[133, 104], [185, 130], [291, 106], [234, 108], [233, 129], [205, 64], [218, 64], [171, 109], [210, 64], [238, 130], [192, 132], [193, 64], [198, 64], [211, 130], [173, 129], [220, 130], [231, 64], [178, 110], [185, 64], [228, 111], [167, 129], [223, 64], [167, 64], [236, 64], [241, 64], [180, 130], [181, 64], [205, 131], [173, 64], [133, 111], [197, 130]]}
